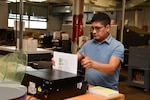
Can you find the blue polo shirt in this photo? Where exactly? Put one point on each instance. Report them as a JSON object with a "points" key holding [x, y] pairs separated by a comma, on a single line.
{"points": [[101, 52]]}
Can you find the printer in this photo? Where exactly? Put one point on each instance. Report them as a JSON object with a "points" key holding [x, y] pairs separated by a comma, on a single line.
{"points": [[53, 84]]}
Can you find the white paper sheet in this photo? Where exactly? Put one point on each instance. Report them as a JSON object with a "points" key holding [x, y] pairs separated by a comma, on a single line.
{"points": [[65, 62]]}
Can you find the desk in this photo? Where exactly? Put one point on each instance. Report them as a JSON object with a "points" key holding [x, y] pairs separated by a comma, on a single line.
{"points": [[92, 96], [13, 49], [39, 54], [89, 96]]}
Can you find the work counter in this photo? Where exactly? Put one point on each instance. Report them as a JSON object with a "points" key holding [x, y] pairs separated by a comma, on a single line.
{"points": [[38, 55], [13, 49]]}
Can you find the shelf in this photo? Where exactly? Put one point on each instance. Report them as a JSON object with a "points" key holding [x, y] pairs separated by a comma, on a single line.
{"points": [[138, 76], [138, 82]]}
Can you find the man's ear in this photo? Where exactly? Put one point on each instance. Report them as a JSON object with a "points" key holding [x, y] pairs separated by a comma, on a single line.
{"points": [[108, 27]]}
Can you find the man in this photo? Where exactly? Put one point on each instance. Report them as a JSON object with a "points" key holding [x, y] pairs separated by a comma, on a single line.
{"points": [[102, 56]]}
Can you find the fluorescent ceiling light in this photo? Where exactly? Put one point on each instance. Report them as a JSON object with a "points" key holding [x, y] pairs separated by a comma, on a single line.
{"points": [[27, 0], [37, 0], [15, 0]]}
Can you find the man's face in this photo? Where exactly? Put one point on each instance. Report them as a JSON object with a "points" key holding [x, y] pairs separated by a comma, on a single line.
{"points": [[100, 32]]}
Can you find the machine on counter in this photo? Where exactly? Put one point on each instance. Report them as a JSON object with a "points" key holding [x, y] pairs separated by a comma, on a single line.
{"points": [[134, 36], [52, 84]]}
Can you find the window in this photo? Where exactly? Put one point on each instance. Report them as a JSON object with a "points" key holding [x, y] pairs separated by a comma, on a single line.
{"points": [[36, 22]]}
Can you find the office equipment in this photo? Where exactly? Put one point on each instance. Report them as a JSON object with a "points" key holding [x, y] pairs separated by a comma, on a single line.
{"points": [[89, 96], [139, 67], [40, 64], [47, 41], [7, 37], [134, 36], [51, 84]]}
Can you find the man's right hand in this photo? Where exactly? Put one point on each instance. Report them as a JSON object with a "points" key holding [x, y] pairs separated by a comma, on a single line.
{"points": [[52, 61]]}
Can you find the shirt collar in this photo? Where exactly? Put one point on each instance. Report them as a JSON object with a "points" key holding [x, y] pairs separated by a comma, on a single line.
{"points": [[107, 40]]}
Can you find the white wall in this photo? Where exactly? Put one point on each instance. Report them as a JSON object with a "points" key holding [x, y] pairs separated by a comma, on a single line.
{"points": [[54, 23], [144, 17]]}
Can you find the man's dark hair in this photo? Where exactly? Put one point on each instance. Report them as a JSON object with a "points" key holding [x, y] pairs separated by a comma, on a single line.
{"points": [[101, 17]]}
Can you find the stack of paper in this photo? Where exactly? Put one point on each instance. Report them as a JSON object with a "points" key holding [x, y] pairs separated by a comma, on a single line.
{"points": [[103, 91]]}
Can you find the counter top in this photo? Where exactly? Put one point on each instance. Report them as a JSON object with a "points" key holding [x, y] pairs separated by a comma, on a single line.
{"points": [[13, 49], [88, 96]]}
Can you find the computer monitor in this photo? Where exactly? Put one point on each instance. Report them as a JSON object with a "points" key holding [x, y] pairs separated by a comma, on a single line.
{"points": [[47, 41], [7, 37]]}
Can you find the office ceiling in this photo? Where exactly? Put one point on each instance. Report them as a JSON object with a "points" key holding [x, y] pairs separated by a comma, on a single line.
{"points": [[95, 5], [103, 5]]}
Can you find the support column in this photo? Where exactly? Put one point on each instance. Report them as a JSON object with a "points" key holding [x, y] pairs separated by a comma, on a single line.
{"points": [[123, 13], [136, 18], [77, 23], [21, 24]]}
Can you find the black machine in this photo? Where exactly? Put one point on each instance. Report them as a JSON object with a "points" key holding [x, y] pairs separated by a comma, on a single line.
{"points": [[134, 36], [7, 37], [47, 41], [51, 84]]}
